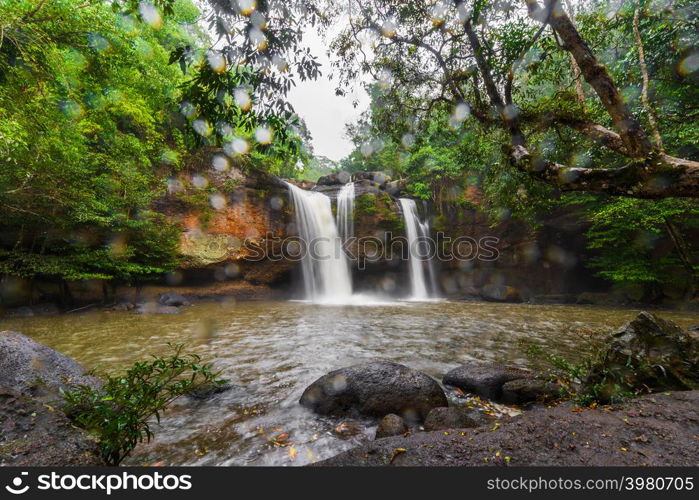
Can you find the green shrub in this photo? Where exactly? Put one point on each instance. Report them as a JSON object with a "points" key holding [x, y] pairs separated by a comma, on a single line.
{"points": [[120, 412], [574, 376]]}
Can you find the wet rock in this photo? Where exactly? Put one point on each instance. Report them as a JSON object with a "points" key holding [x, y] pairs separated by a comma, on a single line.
{"points": [[34, 434], [655, 430], [375, 389], [153, 308], [173, 299], [32, 369], [206, 391], [348, 428], [484, 380], [336, 178], [378, 178], [647, 353], [693, 328], [500, 293], [392, 425], [395, 188], [454, 418], [528, 390]]}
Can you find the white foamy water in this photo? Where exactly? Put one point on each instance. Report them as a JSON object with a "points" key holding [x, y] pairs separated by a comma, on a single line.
{"points": [[345, 211], [420, 268], [326, 272]]}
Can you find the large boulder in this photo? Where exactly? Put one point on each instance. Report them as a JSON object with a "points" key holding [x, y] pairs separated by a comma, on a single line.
{"points": [[378, 178], [35, 434], [647, 353], [375, 389], [484, 379], [32, 369], [334, 179]]}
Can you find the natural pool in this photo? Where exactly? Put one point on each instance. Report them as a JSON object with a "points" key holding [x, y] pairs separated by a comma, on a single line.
{"points": [[272, 350]]}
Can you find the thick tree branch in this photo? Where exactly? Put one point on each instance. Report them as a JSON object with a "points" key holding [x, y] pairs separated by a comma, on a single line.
{"points": [[659, 176], [635, 140]]}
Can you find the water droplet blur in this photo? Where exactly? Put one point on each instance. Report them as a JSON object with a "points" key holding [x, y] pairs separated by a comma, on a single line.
{"points": [[202, 127], [174, 278], [242, 99], [97, 42], [388, 29], [216, 61], [276, 203], [258, 38], [689, 64], [150, 15], [187, 109], [246, 7], [263, 135], [199, 181], [219, 162], [217, 201]]}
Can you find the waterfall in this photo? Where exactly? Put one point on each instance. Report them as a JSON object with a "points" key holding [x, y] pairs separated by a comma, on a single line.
{"points": [[345, 211], [325, 269], [417, 231]]}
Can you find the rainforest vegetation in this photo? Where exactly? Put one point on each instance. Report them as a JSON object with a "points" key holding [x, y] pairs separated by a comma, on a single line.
{"points": [[516, 106]]}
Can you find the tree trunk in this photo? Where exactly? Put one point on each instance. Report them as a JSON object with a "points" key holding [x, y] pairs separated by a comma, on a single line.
{"points": [[644, 75], [685, 255]]}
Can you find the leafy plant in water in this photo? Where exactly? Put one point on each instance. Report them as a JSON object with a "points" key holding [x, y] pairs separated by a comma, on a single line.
{"points": [[120, 412]]}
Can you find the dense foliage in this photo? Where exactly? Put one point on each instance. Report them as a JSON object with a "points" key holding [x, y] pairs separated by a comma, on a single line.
{"points": [[86, 102], [121, 411], [100, 103], [424, 125]]}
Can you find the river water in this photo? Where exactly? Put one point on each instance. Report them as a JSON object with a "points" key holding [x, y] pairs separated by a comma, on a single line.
{"points": [[271, 351]]}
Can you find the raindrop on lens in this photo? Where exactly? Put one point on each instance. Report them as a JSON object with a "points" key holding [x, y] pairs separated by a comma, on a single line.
{"points": [[242, 99], [217, 201], [263, 135], [216, 61], [150, 15], [202, 127], [220, 163]]}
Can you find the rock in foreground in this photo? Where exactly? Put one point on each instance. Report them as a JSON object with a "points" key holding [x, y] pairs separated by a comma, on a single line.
{"points": [[32, 369], [375, 389], [34, 434], [484, 379], [647, 353], [455, 418], [652, 430]]}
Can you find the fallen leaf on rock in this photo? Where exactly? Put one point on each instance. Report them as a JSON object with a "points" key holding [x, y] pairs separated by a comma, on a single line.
{"points": [[397, 452]]}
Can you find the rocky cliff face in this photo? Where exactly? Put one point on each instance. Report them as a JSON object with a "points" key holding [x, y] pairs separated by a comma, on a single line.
{"points": [[234, 217], [514, 260], [229, 213]]}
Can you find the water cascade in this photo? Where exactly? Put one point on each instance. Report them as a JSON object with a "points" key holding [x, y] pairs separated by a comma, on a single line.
{"points": [[421, 279], [345, 211], [326, 272]]}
